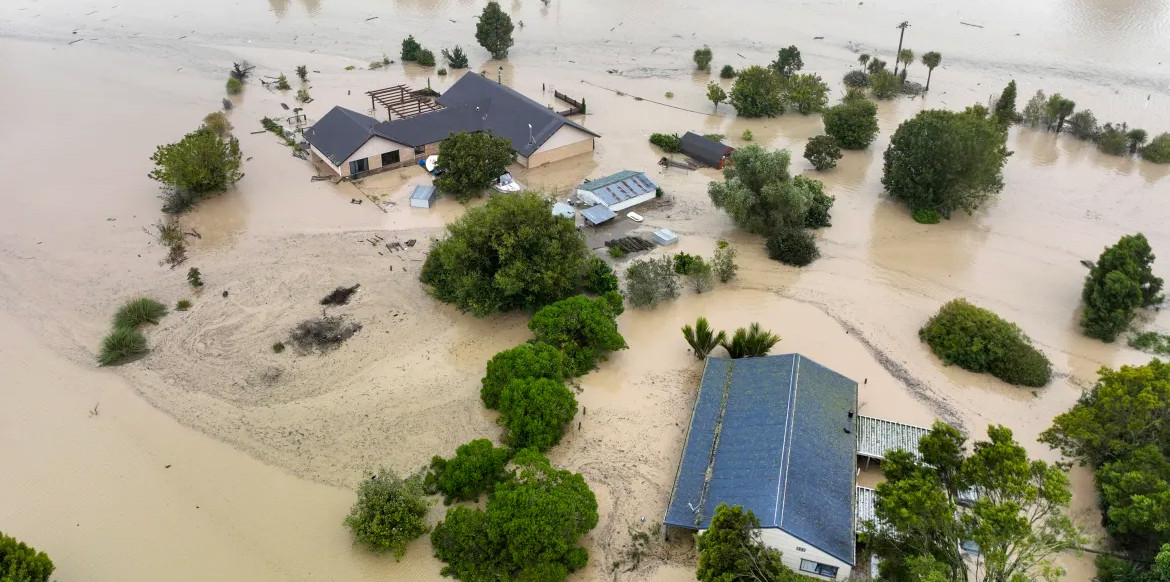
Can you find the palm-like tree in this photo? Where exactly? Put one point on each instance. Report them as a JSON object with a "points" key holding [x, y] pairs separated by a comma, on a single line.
{"points": [[1136, 137], [931, 60], [750, 342], [863, 59], [702, 338], [905, 56], [903, 26]]}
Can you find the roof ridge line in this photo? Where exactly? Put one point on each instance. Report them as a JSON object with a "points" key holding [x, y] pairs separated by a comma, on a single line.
{"points": [[790, 424], [714, 443]]}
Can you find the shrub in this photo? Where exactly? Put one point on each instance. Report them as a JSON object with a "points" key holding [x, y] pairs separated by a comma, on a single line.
{"points": [[757, 93], [926, 216], [1083, 125], [389, 512], [747, 135], [183, 305], [303, 95], [650, 281], [806, 93], [1158, 150], [410, 49], [441, 72], [535, 412], [323, 333], [702, 277], [616, 252], [199, 164], [1151, 342], [685, 263], [724, 261], [234, 86], [793, 246], [511, 253], [1113, 139], [426, 58], [282, 83], [978, 340], [702, 338], [702, 58], [599, 277], [750, 342], [852, 124], [669, 95], [120, 344], [857, 79], [822, 152], [884, 84], [278, 347], [22, 563], [303, 73], [139, 311], [819, 205], [218, 122], [583, 329], [669, 142], [456, 58], [530, 360], [194, 277], [727, 72], [476, 467]]}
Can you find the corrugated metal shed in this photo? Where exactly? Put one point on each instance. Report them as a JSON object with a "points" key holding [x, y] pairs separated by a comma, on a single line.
{"points": [[597, 214], [875, 436], [423, 196], [772, 434], [624, 186], [665, 237]]}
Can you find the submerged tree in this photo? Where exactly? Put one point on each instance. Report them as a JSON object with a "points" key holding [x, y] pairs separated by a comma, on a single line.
{"points": [[787, 62], [201, 163], [807, 93], [853, 123], [20, 562], [905, 56], [527, 360], [702, 338], [759, 194], [456, 58], [494, 31], [1005, 106], [1120, 281], [757, 93], [702, 58], [470, 163], [931, 60], [476, 467], [1059, 109], [410, 49], [716, 94], [822, 152], [750, 342], [389, 512], [583, 329]]}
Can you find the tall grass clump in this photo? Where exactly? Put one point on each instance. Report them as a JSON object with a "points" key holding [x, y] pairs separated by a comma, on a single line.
{"points": [[139, 311], [120, 344], [978, 340]]}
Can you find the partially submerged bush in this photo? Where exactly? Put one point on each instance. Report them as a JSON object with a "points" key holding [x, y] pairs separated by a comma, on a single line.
{"points": [[389, 512], [183, 305], [1113, 139], [282, 83], [650, 281], [926, 216], [20, 562], [201, 163], [669, 142], [724, 261], [822, 152], [323, 333], [218, 122], [194, 277], [583, 329], [884, 84], [535, 412], [234, 86], [476, 467], [120, 344], [303, 95], [702, 58], [530, 360], [1158, 150], [456, 58], [139, 311], [303, 73], [426, 58], [727, 72], [978, 340], [853, 124], [856, 78], [793, 246], [1151, 342], [410, 49]]}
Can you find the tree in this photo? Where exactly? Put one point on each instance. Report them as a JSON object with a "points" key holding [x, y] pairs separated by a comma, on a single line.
{"points": [[1136, 138], [583, 329], [905, 56], [1019, 520], [410, 49], [535, 412], [476, 467], [792, 246], [1158, 150], [1059, 109], [702, 338], [902, 27], [852, 124], [724, 261], [855, 79], [426, 58], [529, 531], [599, 277], [931, 60], [875, 65], [817, 215], [1113, 139], [756, 93], [807, 93], [978, 340], [716, 94], [218, 123], [884, 84], [946, 161], [1083, 125], [470, 163], [822, 152], [702, 58], [1135, 494], [1005, 106], [494, 31], [702, 277], [528, 360], [727, 72], [303, 73], [1035, 113], [20, 562], [456, 59], [669, 142], [233, 86], [731, 549], [512, 253], [199, 164], [389, 512], [650, 281], [1120, 281], [787, 62], [757, 191], [750, 342], [863, 59]]}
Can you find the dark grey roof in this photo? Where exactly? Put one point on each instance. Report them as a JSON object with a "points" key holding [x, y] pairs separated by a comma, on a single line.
{"points": [[340, 133], [597, 214], [705, 150], [475, 103], [769, 434]]}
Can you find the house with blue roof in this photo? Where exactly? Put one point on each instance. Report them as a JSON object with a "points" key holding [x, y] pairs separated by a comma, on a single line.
{"points": [[774, 434], [618, 191]]}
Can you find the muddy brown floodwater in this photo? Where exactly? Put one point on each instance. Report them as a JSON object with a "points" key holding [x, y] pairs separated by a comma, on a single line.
{"points": [[214, 458]]}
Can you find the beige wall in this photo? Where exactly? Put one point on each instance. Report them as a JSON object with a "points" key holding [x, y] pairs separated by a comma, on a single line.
{"points": [[324, 159], [544, 156], [564, 136], [792, 550], [373, 150]]}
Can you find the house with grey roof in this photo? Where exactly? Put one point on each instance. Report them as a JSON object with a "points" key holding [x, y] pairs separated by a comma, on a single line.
{"points": [[618, 191], [774, 434], [351, 143]]}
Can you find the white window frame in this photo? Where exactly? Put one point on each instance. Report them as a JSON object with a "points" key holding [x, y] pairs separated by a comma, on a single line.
{"points": [[816, 567]]}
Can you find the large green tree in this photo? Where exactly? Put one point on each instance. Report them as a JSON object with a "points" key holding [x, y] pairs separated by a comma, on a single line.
{"points": [[583, 329], [760, 195], [494, 31], [512, 253], [731, 550], [806, 93], [946, 161], [978, 340], [535, 412], [470, 162], [529, 531], [1120, 281], [389, 512], [21, 563], [757, 93], [201, 163], [787, 62], [476, 467], [853, 123], [528, 360], [1005, 106], [1059, 109], [1019, 519], [931, 60]]}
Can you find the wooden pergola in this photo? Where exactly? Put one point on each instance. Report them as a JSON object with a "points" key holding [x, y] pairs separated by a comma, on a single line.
{"points": [[400, 102]]}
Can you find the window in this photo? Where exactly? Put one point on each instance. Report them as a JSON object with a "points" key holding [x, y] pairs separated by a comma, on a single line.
{"points": [[359, 166], [390, 158], [818, 568], [420, 150]]}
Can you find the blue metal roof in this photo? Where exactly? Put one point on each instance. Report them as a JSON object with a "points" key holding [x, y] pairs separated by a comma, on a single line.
{"points": [[769, 434], [620, 187], [423, 192], [597, 214]]}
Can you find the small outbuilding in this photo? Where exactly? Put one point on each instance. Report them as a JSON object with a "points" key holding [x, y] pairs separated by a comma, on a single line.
{"points": [[618, 191], [595, 215], [423, 196], [665, 237], [563, 210], [707, 151]]}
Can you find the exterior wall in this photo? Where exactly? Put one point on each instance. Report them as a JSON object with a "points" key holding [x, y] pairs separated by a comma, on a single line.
{"points": [[373, 149], [324, 159], [793, 550], [540, 158], [564, 136]]}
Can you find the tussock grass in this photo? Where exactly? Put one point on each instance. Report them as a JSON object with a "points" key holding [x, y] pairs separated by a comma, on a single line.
{"points": [[120, 344], [139, 311]]}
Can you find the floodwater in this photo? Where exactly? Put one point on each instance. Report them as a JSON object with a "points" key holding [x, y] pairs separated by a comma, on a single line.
{"points": [[264, 449]]}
